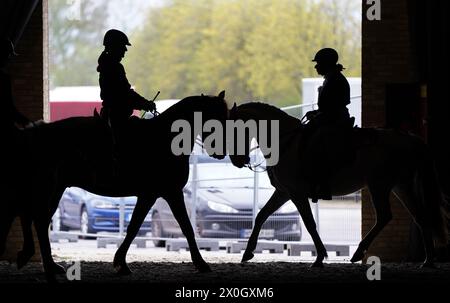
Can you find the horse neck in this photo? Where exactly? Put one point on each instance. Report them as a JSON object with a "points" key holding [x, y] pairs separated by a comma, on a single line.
{"points": [[264, 112], [288, 133], [194, 110]]}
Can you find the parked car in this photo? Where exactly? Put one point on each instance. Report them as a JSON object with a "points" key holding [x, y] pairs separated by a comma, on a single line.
{"points": [[225, 205], [90, 213]]}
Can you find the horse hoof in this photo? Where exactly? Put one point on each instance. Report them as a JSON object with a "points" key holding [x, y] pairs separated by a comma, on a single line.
{"points": [[247, 257], [427, 264], [123, 270], [203, 268], [51, 278], [357, 256], [23, 258], [317, 264], [58, 269]]}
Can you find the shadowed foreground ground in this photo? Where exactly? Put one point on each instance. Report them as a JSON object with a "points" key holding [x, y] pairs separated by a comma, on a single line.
{"points": [[235, 273]]}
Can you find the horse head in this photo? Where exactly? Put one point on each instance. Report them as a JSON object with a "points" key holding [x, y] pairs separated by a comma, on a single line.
{"points": [[238, 159], [215, 118]]}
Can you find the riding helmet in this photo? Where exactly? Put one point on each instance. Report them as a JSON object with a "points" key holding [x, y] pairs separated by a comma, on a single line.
{"points": [[114, 37], [327, 56]]}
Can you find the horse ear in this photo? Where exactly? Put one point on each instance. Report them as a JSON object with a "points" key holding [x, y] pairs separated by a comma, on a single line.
{"points": [[222, 95], [202, 95], [232, 110]]}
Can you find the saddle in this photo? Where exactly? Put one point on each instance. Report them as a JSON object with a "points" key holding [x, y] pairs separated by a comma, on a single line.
{"points": [[328, 148]]}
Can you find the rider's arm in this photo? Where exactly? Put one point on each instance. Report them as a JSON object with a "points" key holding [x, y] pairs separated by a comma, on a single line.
{"points": [[115, 87], [137, 100]]}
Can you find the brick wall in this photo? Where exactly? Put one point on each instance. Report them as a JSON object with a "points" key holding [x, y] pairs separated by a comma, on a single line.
{"points": [[387, 57], [28, 86]]}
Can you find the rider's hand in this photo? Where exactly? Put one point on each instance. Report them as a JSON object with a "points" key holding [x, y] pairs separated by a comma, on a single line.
{"points": [[149, 106]]}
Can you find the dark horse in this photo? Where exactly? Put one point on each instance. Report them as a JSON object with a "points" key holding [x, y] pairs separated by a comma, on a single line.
{"points": [[36, 162], [146, 168], [385, 161]]}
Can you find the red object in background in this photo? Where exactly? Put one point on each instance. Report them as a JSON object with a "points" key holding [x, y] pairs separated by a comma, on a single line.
{"points": [[74, 101], [64, 109]]}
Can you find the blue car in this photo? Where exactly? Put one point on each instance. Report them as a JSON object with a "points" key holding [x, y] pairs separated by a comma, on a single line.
{"points": [[90, 213]]}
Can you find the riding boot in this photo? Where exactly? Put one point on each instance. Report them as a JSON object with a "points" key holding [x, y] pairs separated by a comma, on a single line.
{"points": [[314, 193], [324, 191], [321, 191]]}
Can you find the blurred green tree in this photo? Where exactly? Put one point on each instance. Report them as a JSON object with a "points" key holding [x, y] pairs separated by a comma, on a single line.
{"points": [[254, 49], [76, 30]]}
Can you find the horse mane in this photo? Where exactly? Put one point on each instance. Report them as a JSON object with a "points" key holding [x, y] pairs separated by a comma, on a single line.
{"points": [[204, 101], [270, 112], [277, 114]]}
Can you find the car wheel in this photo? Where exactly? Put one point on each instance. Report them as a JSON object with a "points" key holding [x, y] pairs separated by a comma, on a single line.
{"points": [[157, 230], [84, 224]]}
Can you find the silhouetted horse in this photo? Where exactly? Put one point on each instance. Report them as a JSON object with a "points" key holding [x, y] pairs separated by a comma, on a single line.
{"points": [[36, 164], [161, 173], [147, 168], [385, 161]]}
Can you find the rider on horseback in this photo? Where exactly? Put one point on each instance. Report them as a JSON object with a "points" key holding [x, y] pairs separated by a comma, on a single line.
{"points": [[328, 121], [119, 99]]}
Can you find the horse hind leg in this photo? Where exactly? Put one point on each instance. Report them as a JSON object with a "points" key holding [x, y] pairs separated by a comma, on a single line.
{"points": [[308, 219], [41, 224], [28, 250], [6, 220], [277, 199], [380, 201], [411, 200]]}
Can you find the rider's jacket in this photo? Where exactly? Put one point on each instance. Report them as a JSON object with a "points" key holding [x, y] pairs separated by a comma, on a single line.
{"points": [[119, 99], [334, 96]]}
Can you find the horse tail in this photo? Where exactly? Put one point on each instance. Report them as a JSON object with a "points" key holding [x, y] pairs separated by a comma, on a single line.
{"points": [[434, 200]]}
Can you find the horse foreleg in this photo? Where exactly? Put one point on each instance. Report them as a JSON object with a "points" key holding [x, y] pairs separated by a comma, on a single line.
{"points": [[380, 201], [27, 251], [140, 211], [308, 219], [277, 199], [176, 204], [50, 267]]}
